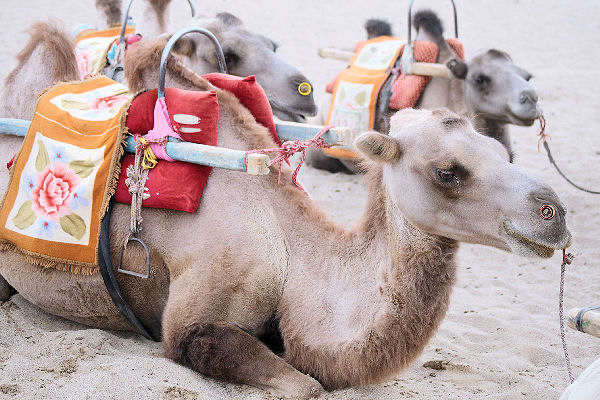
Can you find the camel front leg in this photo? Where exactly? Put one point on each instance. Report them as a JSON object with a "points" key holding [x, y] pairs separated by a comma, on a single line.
{"points": [[225, 352], [5, 290]]}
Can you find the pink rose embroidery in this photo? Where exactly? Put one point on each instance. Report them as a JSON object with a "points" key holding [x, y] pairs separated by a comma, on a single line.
{"points": [[104, 103], [51, 197]]}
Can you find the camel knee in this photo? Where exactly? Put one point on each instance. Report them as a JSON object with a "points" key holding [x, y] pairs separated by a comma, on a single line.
{"points": [[5, 289], [219, 350], [225, 352]]}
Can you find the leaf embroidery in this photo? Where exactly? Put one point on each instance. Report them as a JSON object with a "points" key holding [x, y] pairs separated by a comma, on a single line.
{"points": [[74, 105], [42, 160], [361, 98], [342, 94], [83, 168], [74, 225], [25, 216]]}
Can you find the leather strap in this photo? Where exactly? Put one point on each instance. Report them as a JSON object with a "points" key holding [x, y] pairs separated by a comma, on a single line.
{"points": [[108, 275]]}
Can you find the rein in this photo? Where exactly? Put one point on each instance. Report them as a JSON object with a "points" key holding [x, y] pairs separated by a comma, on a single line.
{"points": [[290, 148], [567, 259], [544, 140]]}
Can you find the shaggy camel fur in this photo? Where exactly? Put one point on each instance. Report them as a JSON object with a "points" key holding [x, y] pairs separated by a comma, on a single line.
{"points": [[489, 89], [352, 306], [50, 49]]}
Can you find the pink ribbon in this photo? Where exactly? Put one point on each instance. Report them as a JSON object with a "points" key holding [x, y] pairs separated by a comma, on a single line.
{"points": [[162, 129]]}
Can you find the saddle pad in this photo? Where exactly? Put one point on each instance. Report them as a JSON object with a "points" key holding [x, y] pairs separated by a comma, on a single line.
{"points": [[179, 185], [92, 47], [251, 95], [406, 90], [65, 174], [356, 91], [173, 185]]}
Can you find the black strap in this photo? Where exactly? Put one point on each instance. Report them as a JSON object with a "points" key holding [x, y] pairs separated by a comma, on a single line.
{"points": [[108, 275]]}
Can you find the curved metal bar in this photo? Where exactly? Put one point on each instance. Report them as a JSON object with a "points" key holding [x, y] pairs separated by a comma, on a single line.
{"points": [[171, 42], [409, 37], [124, 22], [192, 8]]}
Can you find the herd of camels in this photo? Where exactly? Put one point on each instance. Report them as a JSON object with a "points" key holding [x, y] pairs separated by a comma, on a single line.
{"points": [[341, 307]]}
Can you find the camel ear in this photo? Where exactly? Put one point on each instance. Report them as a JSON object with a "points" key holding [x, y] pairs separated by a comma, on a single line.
{"points": [[185, 46], [378, 147], [458, 68], [229, 19]]}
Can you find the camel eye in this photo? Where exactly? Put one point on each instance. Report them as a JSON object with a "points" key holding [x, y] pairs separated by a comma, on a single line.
{"points": [[481, 79], [231, 59], [445, 175]]}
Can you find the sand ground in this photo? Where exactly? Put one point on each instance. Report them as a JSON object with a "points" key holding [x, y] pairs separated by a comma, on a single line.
{"points": [[500, 338]]}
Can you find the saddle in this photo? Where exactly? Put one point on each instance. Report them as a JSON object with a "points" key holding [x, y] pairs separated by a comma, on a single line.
{"points": [[357, 94]]}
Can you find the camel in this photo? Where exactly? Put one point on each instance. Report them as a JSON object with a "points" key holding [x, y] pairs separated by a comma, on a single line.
{"points": [[246, 53], [351, 307], [255, 56], [489, 88]]}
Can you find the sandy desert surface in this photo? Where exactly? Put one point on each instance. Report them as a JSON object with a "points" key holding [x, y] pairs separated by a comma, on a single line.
{"points": [[500, 338]]}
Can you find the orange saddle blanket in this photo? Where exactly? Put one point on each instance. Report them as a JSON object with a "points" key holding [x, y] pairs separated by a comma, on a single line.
{"points": [[65, 174], [407, 89]]}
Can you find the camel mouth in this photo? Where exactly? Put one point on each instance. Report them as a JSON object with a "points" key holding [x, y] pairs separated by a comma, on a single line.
{"points": [[519, 120], [290, 113], [529, 246]]}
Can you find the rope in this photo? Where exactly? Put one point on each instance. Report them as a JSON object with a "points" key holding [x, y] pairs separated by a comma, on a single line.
{"points": [[567, 259], [543, 140], [290, 148]]}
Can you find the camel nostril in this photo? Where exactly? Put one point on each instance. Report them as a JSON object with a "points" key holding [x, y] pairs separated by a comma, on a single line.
{"points": [[528, 96], [523, 99]]}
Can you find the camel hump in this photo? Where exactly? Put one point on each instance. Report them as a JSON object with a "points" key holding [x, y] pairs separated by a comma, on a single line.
{"points": [[377, 27], [429, 21]]}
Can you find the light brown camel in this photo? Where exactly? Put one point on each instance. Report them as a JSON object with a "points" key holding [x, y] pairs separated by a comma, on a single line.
{"points": [[353, 307], [246, 53], [490, 89]]}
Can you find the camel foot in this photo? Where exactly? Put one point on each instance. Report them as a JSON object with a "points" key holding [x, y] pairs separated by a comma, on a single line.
{"points": [[6, 291], [225, 352]]}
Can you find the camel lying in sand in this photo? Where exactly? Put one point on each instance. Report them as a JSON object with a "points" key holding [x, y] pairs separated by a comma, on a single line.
{"points": [[351, 307], [490, 89], [246, 53]]}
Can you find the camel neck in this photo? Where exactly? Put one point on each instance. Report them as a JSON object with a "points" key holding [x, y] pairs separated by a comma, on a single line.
{"points": [[372, 304]]}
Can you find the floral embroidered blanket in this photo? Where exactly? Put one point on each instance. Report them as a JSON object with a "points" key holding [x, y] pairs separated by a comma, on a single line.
{"points": [[95, 49], [65, 174]]}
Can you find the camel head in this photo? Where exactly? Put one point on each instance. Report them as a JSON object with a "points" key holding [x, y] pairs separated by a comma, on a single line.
{"points": [[450, 181], [248, 53], [496, 88]]}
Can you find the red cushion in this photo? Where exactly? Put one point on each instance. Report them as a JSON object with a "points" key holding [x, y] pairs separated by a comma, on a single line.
{"points": [[251, 95], [204, 105], [174, 185]]}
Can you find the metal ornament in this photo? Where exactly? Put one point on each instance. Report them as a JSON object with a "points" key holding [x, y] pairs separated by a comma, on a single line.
{"points": [[304, 88]]}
